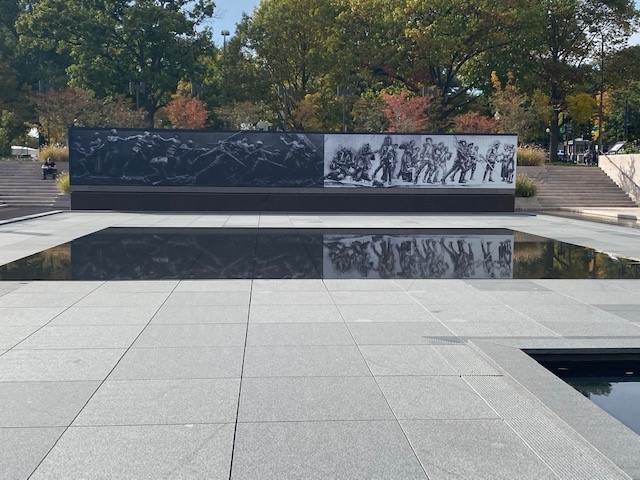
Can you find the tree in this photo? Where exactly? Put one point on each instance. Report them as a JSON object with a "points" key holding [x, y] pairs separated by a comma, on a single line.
{"points": [[291, 38], [511, 108], [405, 113], [240, 115], [432, 43], [368, 114], [57, 110], [473, 122], [568, 41], [113, 42], [187, 112]]}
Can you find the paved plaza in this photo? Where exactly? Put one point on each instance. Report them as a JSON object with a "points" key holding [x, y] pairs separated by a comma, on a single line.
{"points": [[306, 379]]}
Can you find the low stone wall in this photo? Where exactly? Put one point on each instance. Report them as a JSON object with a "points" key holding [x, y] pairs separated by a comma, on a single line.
{"points": [[624, 170]]}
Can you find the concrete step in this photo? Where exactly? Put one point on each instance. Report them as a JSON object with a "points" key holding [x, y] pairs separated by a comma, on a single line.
{"points": [[575, 187]]}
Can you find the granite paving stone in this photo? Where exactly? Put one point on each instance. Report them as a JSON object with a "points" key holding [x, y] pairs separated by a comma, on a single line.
{"points": [[114, 315], [479, 449], [312, 399], [295, 314], [386, 313], [42, 404], [139, 286], [368, 285], [75, 337], [161, 402], [291, 298], [188, 314], [49, 299], [200, 335], [486, 285], [320, 450], [180, 299], [149, 451], [58, 365], [270, 334], [308, 360], [464, 360], [372, 298], [596, 329], [22, 449], [12, 336], [422, 397], [121, 299], [176, 363], [290, 285], [606, 298], [305, 364], [57, 286], [630, 312], [500, 329], [405, 360], [213, 286], [396, 333], [20, 316], [533, 299], [470, 313], [574, 313]]}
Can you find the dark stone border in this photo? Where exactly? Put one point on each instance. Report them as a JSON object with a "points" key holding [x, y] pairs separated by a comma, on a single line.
{"points": [[288, 202]]}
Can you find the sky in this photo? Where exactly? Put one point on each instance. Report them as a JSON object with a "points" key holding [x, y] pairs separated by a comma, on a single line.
{"points": [[231, 13]]}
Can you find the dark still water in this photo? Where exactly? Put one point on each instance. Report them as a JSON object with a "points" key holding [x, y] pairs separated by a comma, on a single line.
{"points": [[175, 253], [610, 381]]}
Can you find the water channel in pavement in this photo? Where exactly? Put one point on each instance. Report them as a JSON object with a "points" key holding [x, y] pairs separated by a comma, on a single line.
{"points": [[227, 253]]}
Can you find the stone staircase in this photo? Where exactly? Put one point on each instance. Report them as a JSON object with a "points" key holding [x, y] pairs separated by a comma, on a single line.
{"points": [[575, 186], [21, 185]]}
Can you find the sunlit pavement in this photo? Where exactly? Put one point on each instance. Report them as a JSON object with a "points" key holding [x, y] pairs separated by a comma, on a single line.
{"points": [[308, 378]]}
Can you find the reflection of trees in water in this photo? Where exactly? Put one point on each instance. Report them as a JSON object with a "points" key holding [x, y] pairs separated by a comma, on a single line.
{"points": [[551, 259], [421, 256], [591, 388], [51, 264]]}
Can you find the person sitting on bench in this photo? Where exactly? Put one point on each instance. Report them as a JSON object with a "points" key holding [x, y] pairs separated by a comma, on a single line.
{"points": [[49, 167]]}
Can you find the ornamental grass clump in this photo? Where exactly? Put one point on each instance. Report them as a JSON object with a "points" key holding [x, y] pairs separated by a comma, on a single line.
{"points": [[525, 187], [57, 154], [64, 183], [531, 156]]}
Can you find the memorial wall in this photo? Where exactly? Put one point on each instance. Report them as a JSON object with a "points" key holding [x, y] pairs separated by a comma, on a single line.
{"points": [[283, 171]]}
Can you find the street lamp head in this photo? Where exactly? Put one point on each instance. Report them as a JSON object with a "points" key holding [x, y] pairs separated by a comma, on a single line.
{"points": [[225, 33]]}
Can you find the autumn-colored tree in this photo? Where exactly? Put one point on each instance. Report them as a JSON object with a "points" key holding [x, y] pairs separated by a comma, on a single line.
{"points": [[473, 122], [511, 107], [58, 109], [306, 114], [187, 112], [405, 113]]}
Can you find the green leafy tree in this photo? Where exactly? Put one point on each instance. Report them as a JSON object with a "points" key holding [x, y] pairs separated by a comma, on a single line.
{"points": [[292, 39], [113, 42], [571, 38], [433, 43]]}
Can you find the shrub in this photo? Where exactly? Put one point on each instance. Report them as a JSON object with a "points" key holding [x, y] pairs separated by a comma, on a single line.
{"points": [[64, 183], [531, 156], [58, 154], [525, 187]]}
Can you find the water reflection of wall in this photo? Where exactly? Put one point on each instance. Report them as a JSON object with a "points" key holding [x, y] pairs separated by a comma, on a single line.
{"points": [[418, 256]]}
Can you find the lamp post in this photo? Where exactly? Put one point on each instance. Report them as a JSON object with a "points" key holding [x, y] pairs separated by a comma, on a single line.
{"points": [[138, 88], [225, 34], [344, 92], [284, 92]]}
